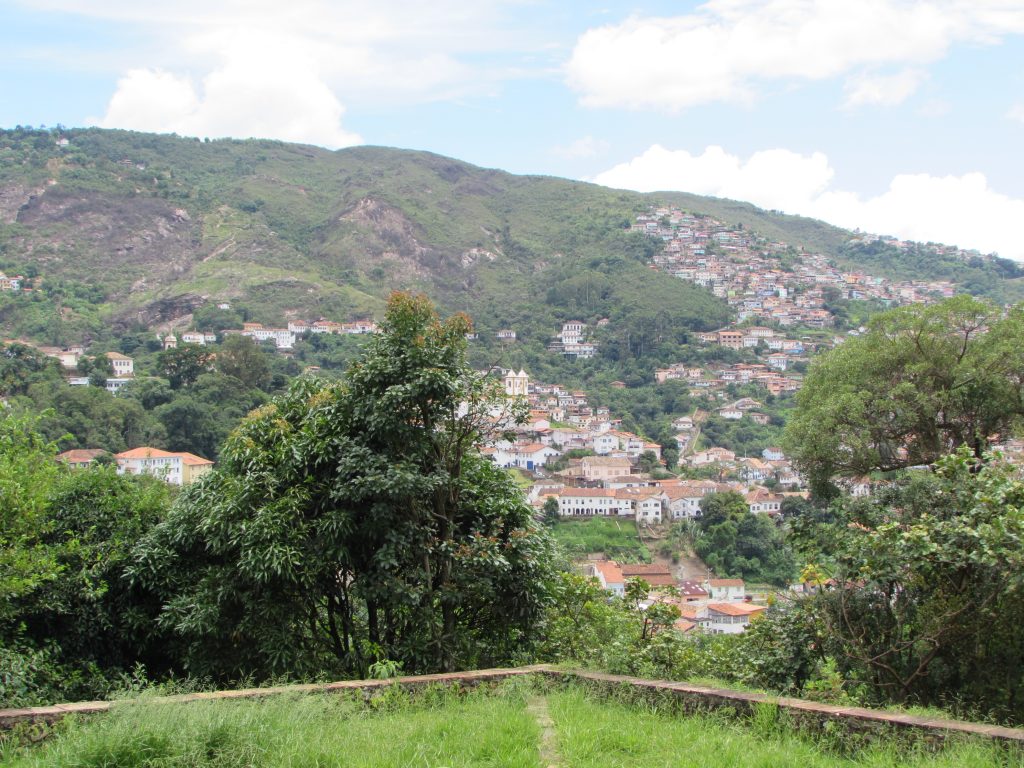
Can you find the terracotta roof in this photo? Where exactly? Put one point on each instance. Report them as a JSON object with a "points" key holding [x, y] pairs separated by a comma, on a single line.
{"points": [[192, 460], [639, 569], [155, 453], [80, 455], [589, 492], [607, 461], [735, 609], [611, 571], [531, 448], [144, 453], [726, 582]]}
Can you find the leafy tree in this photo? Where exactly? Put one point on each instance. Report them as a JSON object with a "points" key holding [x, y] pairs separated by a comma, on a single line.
{"points": [[183, 364], [551, 515], [928, 578], [735, 542], [27, 473], [243, 358], [922, 382], [89, 610], [98, 369], [356, 521], [21, 366]]}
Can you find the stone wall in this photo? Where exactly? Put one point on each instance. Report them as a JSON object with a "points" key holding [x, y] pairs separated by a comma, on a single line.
{"points": [[805, 715]]}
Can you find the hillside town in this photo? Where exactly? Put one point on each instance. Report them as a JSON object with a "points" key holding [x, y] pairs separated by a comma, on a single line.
{"points": [[764, 280], [607, 478]]}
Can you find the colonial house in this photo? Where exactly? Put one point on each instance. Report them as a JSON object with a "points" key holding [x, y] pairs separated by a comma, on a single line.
{"points": [[78, 458], [728, 618], [122, 365], [609, 574], [763, 501], [725, 589], [712, 456], [175, 468], [605, 467]]}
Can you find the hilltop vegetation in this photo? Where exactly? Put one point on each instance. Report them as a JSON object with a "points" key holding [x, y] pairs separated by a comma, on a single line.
{"points": [[157, 226]]}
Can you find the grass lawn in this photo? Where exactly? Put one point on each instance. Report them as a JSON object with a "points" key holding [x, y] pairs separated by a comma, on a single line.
{"points": [[600, 734], [511, 727], [315, 730], [617, 538]]}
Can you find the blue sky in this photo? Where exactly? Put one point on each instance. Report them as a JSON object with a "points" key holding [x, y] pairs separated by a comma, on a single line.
{"points": [[897, 117]]}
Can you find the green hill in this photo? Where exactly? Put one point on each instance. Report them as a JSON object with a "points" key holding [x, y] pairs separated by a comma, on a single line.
{"points": [[129, 231]]}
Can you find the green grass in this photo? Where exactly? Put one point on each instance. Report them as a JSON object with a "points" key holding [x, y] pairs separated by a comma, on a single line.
{"points": [[617, 538], [314, 730], [595, 734], [441, 728]]}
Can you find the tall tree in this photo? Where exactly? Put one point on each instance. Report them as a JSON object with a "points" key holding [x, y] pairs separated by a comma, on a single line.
{"points": [[927, 587], [184, 364], [355, 521], [920, 383], [243, 358]]}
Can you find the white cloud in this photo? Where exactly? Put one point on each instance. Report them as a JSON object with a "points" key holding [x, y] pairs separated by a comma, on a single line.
{"points": [[262, 89], [883, 90], [284, 70], [586, 146], [386, 51], [726, 49], [1016, 113], [957, 210]]}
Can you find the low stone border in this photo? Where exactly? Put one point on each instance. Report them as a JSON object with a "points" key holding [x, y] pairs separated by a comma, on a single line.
{"points": [[692, 698], [812, 715], [11, 717]]}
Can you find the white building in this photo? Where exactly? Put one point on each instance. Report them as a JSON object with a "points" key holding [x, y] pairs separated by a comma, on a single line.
{"points": [[122, 365]]}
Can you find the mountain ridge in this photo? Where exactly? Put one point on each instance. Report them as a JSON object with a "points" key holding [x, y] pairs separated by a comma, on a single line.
{"points": [[133, 230]]}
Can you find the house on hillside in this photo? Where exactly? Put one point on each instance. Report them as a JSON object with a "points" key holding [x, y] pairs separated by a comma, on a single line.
{"points": [[725, 589], [122, 365], [175, 468], [728, 618], [609, 574], [79, 458]]}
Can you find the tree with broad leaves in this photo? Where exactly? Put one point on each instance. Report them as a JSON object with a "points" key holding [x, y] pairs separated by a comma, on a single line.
{"points": [[923, 381], [356, 521]]}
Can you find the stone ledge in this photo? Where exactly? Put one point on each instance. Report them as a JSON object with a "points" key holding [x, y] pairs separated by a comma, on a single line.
{"points": [[691, 697], [803, 712], [11, 717]]}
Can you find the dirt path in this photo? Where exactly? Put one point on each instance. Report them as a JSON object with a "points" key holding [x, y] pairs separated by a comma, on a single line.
{"points": [[549, 757]]}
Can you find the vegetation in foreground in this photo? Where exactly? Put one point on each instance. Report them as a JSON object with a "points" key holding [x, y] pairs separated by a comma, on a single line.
{"points": [[596, 734], [442, 728], [319, 730]]}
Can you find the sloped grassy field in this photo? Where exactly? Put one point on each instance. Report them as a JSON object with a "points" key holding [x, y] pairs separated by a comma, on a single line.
{"points": [[496, 728]]}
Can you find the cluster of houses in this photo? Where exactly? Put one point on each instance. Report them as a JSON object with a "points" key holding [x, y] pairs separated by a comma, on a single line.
{"points": [[767, 280], [176, 468], [771, 376], [610, 481], [122, 367], [283, 338], [713, 606], [571, 341]]}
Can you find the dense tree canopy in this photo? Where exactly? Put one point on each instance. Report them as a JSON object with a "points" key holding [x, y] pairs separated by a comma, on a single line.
{"points": [[926, 593], [355, 521], [737, 543], [920, 383]]}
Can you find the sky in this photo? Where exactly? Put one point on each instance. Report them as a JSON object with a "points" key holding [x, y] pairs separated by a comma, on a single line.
{"points": [[897, 117]]}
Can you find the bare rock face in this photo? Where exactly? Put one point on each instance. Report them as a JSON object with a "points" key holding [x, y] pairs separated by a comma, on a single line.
{"points": [[13, 198], [167, 311]]}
